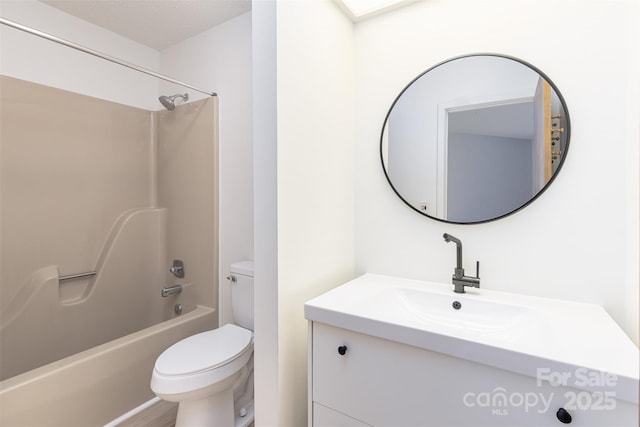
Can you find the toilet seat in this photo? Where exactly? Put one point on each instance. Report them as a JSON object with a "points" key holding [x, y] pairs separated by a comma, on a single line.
{"points": [[202, 360], [204, 351]]}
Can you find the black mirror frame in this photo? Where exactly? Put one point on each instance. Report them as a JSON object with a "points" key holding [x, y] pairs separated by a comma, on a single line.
{"points": [[542, 190]]}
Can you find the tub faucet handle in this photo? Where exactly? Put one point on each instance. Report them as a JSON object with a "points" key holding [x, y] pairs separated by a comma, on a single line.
{"points": [[177, 268]]}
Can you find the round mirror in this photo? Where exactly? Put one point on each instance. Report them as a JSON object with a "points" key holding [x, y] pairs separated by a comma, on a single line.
{"points": [[475, 138]]}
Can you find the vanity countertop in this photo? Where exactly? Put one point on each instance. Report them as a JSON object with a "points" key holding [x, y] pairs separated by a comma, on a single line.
{"points": [[539, 337]]}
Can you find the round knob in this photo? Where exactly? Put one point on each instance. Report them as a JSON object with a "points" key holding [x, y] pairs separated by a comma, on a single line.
{"points": [[563, 416], [342, 350]]}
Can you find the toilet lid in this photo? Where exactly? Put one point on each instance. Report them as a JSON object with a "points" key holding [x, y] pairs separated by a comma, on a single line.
{"points": [[204, 351]]}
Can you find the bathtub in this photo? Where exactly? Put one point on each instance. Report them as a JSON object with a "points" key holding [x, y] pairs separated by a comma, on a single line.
{"points": [[97, 385]]}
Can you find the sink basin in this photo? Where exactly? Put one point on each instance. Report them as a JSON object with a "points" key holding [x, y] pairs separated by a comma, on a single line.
{"points": [[462, 315], [518, 333]]}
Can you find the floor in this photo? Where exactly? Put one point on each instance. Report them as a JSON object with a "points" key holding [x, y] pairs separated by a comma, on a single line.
{"points": [[161, 414]]}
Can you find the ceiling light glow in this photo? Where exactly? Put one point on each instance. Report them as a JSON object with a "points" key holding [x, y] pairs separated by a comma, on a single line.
{"points": [[359, 9]]}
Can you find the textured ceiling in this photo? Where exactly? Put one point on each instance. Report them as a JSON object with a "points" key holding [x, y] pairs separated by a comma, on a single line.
{"points": [[154, 23]]}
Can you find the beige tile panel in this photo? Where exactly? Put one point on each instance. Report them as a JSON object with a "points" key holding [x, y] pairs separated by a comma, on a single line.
{"points": [[75, 170], [97, 386], [70, 165], [47, 322], [187, 186]]}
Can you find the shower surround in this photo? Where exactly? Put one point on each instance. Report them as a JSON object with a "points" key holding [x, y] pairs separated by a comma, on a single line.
{"points": [[91, 185]]}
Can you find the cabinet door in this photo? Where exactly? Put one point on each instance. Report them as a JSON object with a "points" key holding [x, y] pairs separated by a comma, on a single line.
{"points": [[325, 417], [370, 379]]}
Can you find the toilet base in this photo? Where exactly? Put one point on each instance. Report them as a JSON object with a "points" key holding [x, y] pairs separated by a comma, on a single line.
{"points": [[248, 418], [214, 411]]}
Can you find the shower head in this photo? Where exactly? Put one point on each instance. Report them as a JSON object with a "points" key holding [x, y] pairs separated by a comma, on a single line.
{"points": [[169, 101]]}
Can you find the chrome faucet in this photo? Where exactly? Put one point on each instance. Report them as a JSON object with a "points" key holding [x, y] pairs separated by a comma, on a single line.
{"points": [[458, 279]]}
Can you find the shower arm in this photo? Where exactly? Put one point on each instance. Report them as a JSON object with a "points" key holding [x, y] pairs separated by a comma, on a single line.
{"points": [[104, 56]]}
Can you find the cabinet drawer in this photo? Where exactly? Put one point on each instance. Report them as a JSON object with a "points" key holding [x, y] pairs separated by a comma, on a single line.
{"points": [[384, 383]]}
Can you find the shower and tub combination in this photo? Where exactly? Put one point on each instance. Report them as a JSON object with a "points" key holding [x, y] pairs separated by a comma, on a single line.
{"points": [[99, 200]]}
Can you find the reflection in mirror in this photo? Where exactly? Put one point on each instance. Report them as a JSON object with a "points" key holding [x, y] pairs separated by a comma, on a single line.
{"points": [[475, 138]]}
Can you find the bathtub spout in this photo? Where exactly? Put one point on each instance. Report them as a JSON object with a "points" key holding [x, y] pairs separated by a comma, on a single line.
{"points": [[169, 290]]}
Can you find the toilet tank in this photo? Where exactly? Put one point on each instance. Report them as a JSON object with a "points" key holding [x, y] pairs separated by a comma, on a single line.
{"points": [[242, 293]]}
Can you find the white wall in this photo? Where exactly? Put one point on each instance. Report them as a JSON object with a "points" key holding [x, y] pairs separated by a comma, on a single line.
{"points": [[27, 57], [265, 173], [312, 178], [579, 240], [596, 212], [315, 177], [219, 60]]}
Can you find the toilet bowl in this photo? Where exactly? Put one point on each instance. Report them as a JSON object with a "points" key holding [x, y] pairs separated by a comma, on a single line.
{"points": [[209, 372]]}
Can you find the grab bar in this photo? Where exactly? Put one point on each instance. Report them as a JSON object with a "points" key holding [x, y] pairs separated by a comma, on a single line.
{"points": [[77, 276]]}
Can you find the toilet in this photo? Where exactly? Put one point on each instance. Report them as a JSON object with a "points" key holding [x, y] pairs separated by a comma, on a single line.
{"points": [[210, 374]]}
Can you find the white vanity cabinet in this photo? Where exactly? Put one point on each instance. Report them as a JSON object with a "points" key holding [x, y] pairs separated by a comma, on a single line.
{"points": [[326, 417], [387, 351], [359, 380]]}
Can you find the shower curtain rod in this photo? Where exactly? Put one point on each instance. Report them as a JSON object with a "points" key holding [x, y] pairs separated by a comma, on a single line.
{"points": [[98, 54]]}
